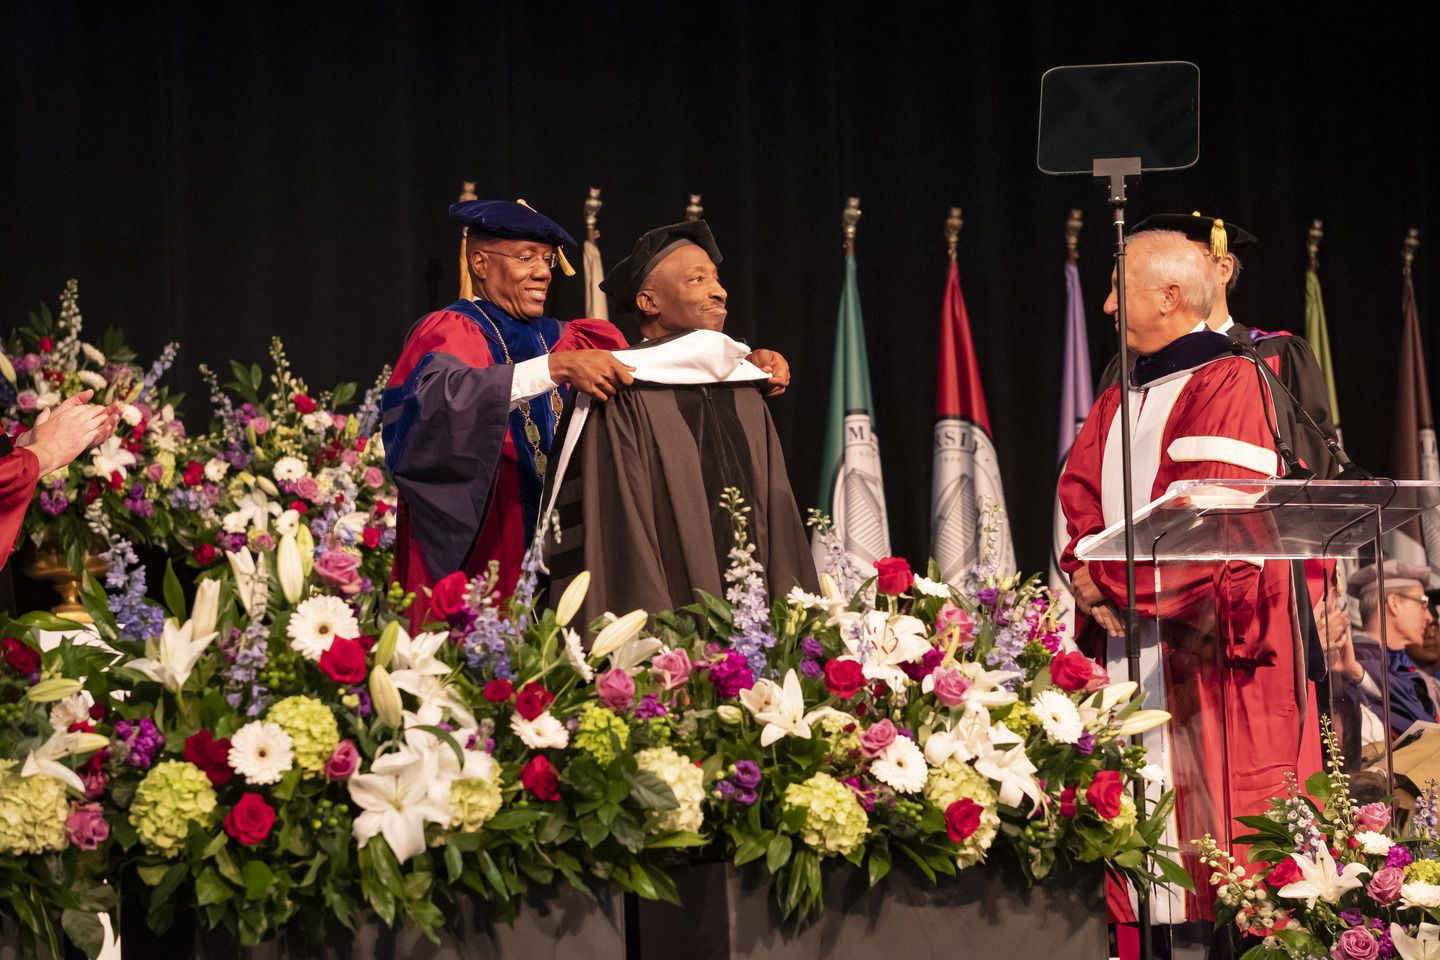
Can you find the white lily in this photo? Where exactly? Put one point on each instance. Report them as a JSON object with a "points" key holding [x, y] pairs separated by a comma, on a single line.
{"points": [[571, 599], [881, 642], [828, 589], [252, 579], [305, 540], [110, 458], [398, 799], [635, 653], [1108, 698], [385, 698], [206, 609], [288, 522], [964, 739], [617, 633], [450, 766], [170, 659], [1011, 769], [1320, 880], [415, 669], [1140, 721], [45, 759], [762, 696], [288, 570], [986, 686], [1425, 945], [798, 597], [786, 716]]}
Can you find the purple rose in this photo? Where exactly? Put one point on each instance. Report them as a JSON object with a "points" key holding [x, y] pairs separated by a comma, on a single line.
{"points": [[1373, 816], [341, 570], [1356, 943], [343, 762], [671, 669], [876, 738], [86, 826], [950, 686], [1384, 886], [616, 690], [747, 774]]}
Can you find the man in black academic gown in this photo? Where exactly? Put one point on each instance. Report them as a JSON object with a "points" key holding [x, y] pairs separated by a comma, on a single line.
{"points": [[1288, 356], [638, 482]]}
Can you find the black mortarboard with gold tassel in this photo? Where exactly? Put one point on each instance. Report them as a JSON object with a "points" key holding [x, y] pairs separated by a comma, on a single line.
{"points": [[1219, 236]]}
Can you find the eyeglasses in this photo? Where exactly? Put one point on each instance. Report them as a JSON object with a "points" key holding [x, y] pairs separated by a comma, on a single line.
{"points": [[528, 260], [1405, 596]]}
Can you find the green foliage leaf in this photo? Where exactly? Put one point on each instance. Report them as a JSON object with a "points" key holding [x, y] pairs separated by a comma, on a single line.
{"points": [[1318, 785], [777, 854], [84, 930], [1174, 873], [258, 878], [878, 865], [211, 888], [174, 593], [514, 819]]}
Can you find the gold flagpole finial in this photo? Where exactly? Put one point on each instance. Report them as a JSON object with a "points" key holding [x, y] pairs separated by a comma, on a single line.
{"points": [[849, 218], [1072, 234], [693, 210], [592, 212], [953, 223], [1412, 243], [1312, 244], [467, 291]]}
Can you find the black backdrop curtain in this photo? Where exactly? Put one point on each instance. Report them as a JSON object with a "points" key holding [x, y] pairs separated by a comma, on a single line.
{"points": [[218, 174]]}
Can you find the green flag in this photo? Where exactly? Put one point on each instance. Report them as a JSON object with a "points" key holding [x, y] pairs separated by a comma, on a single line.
{"points": [[851, 489], [1319, 336]]}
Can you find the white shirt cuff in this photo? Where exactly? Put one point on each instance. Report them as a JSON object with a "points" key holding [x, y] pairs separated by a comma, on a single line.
{"points": [[531, 378]]}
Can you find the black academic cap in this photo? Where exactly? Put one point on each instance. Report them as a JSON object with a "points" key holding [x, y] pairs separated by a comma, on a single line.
{"points": [[627, 277], [1221, 237]]}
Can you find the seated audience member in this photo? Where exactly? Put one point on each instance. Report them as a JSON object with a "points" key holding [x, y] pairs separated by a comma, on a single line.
{"points": [[1406, 614]]}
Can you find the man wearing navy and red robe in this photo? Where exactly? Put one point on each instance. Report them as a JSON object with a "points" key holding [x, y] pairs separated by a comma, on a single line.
{"points": [[1218, 645], [471, 409]]}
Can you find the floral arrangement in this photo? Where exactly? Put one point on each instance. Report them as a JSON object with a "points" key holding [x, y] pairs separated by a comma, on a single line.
{"points": [[43, 362], [1332, 878], [294, 759]]}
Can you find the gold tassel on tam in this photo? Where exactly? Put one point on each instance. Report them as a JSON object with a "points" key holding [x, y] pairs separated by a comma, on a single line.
{"points": [[565, 267], [1219, 239]]}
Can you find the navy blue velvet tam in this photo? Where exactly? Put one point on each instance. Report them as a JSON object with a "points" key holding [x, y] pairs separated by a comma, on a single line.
{"points": [[509, 220]]}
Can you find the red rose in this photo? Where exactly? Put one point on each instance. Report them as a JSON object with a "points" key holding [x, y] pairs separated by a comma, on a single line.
{"points": [[381, 508], [97, 712], [448, 596], [371, 537], [92, 492], [366, 641], [206, 554], [1286, 871], [21, 657], [117, 480], [844, 678], [1071, 671], [45, 344], [1067, 802], [210, 755], [499, 691], [532, 701], [304, 404], [194, 473], [540, 778], [962, 818], [299, 506], [895, 576], [344, 661], [1104, 794], [360, 443], [251, 819]]}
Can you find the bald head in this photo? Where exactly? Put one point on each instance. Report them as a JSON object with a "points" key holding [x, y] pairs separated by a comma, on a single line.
{"points": [[681, 293]]}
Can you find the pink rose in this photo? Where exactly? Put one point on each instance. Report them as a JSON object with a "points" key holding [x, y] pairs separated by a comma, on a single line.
{"points": [[156, 472], [876, 738], [94, 781], [340, 570], [671, 669], [350, 458], [616, 690], [86, 826], [950, 686], [1384, 886], [307, 487], [261, 425], [26, 400], [373, 478], [951, 616], [1373, 816], [339, 420], [343, 762], [1357, 943], [29, 363]]}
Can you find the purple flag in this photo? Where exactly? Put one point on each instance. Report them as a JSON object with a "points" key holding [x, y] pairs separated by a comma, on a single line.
{"points": [[1077, 393]]}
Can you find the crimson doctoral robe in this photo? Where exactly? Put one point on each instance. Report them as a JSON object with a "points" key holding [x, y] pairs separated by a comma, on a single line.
{"points": [[18, 472]]}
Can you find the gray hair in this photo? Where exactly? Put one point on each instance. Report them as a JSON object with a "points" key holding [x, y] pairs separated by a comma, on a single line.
{"points": [[1174, 259]]}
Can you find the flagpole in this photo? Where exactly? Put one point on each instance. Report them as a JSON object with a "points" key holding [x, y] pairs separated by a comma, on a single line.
{"points": [[593, 204], [694, 210], [953, 224]]}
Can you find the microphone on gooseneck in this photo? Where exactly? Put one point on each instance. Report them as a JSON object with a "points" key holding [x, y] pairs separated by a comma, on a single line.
{"points": [[1349, 470]]}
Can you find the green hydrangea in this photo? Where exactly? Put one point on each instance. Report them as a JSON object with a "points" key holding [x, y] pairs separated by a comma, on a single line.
{"points": [[954, 781], [173, 794], [842, 741], [32, 812], [1423, 871], [312, 729], [685, 780], [473, 802], [1021, 720], [597, 723], [1125, 818], [835, 823]]}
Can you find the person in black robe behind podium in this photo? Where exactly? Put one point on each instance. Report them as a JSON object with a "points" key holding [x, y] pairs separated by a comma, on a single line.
{"points": [[638, 484]]}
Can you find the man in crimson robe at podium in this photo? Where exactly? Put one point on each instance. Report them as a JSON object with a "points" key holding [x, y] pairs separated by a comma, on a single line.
{"points": [[471, 409], [1218, 647]]}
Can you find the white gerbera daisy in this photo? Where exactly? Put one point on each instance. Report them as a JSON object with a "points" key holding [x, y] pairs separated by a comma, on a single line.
{"points": [[289, 468], [317, 622], [932, 588], [575, 654], [1374, 843], [901, 767], [1420, 894], [542, 733], [1057, 714], [261, 752]]}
